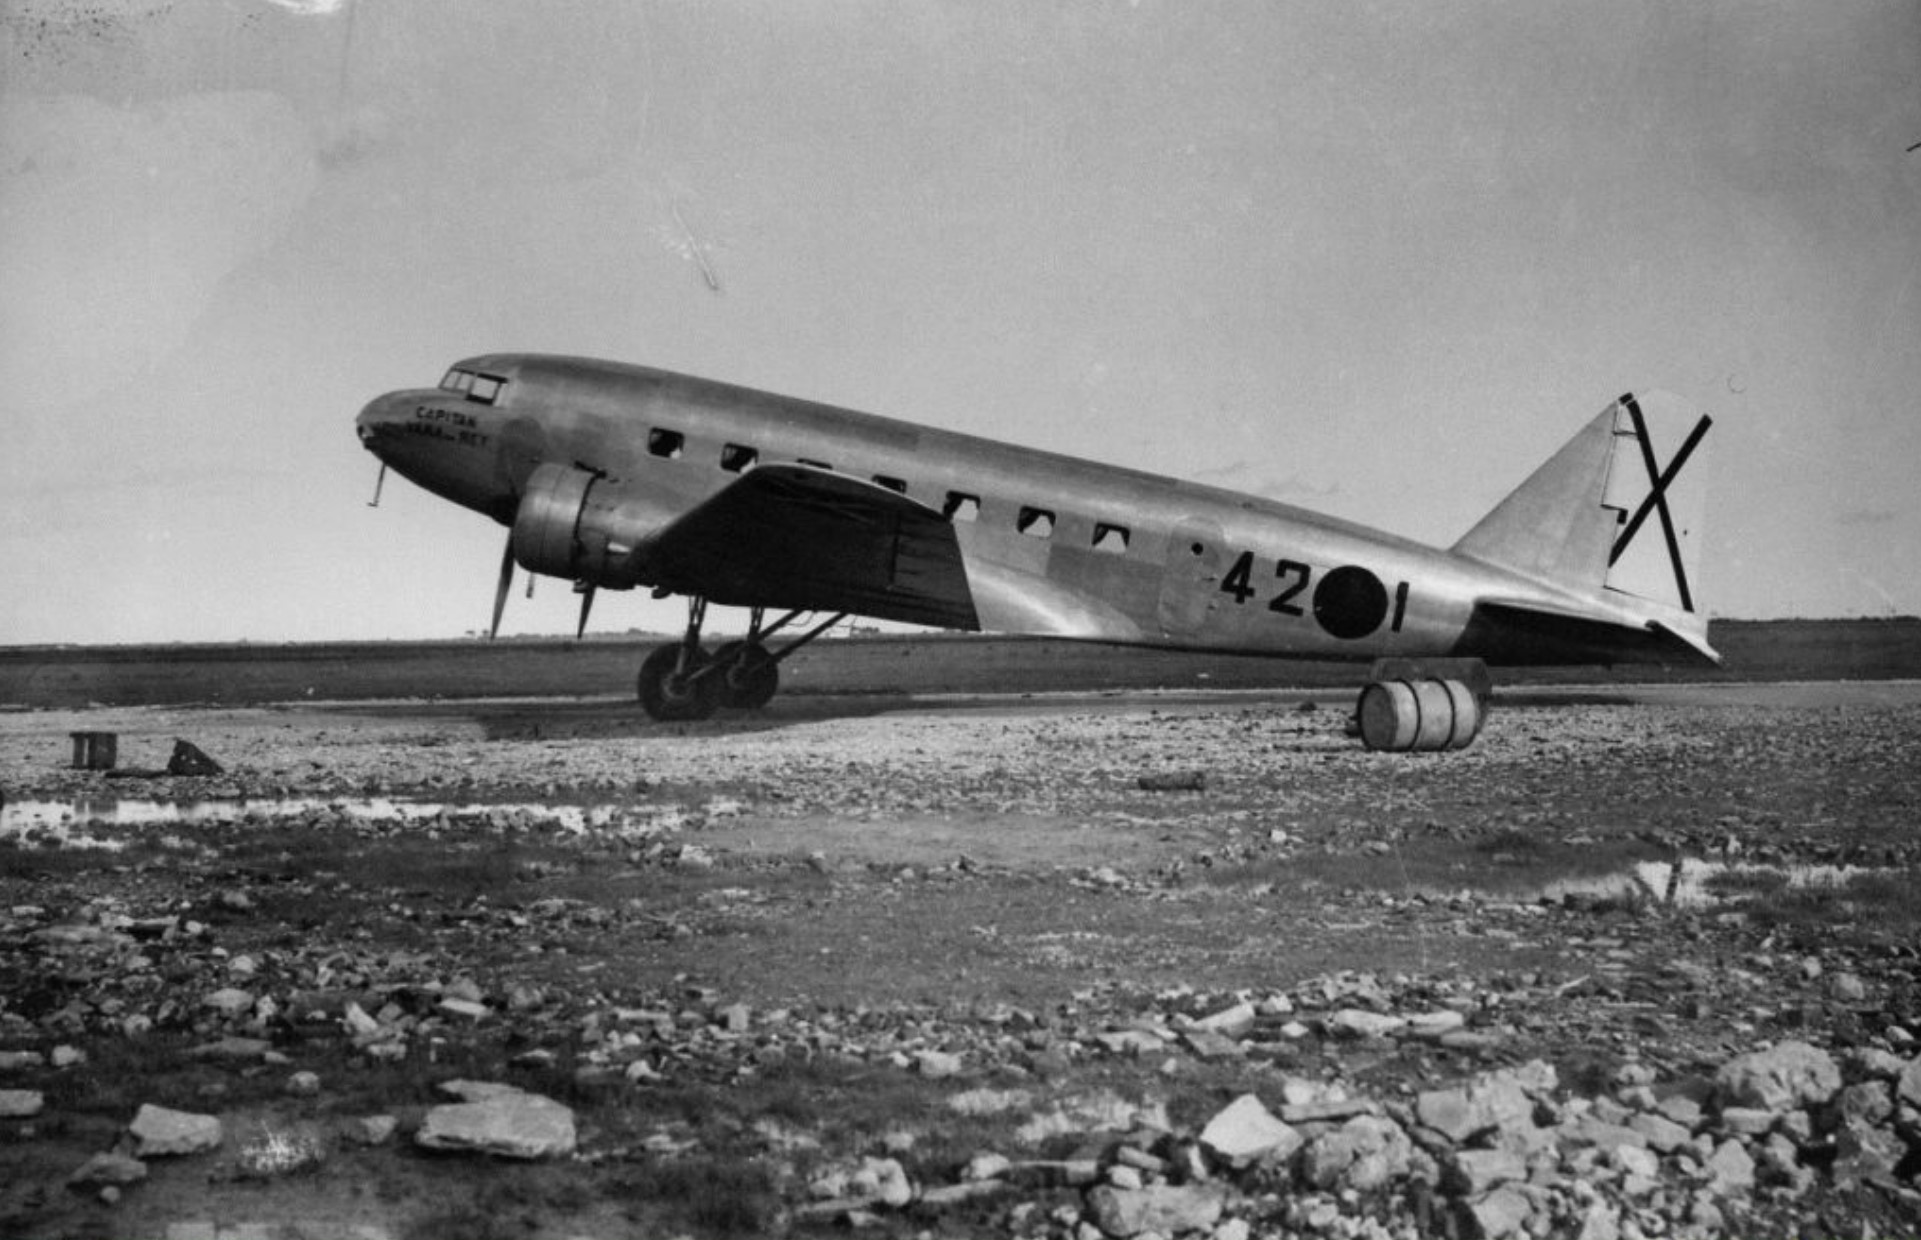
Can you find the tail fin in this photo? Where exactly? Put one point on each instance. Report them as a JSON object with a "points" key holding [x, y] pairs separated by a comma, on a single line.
{"points": [[1606, 520]]}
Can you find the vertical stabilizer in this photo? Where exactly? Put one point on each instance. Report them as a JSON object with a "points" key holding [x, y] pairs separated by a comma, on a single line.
{"points": [[1610, 517], [1553, 527]]}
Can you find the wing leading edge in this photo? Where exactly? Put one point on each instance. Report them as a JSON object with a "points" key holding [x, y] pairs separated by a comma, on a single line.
{"points": [[808, 539]]}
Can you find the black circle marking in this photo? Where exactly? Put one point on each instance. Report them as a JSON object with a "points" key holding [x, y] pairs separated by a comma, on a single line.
{"points": [[1350, 602]]}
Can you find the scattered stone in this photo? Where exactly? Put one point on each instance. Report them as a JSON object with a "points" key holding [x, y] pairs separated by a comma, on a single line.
{"points": [[160, 1131], [476, 1091], [1864, 1151], [1131, 1042], [1365, 1153], [1682, 1109], [987, 1166], [1501, 1215], [1233, 1022], [513, 1125], [1433, 1026], [1246, 1132], [1908, 1085], [235, 1050], [109, 1168], [1660, 1132], [1748, 1121], [468, 1009], [937, 1065], [950, 1196], [230, 1001], [1471, 1173], [1207, 1044], [1328, 1110], [1165, 1209], [1071, 1172], [882, 1180], [1173, 781], [1730, 1170], [21, 1103], [1489, 1103], [1355, 1023], [1787, 1076]]}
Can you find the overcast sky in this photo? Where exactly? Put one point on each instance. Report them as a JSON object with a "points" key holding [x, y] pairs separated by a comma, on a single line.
{"points": [[1379, 260]]}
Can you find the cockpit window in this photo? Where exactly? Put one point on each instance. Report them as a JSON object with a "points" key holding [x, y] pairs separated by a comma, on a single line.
{"points": [[483, 388]]}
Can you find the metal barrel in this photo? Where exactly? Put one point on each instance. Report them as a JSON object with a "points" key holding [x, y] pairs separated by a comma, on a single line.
{"points": [[1389, 717], [1421, 716], [1467, 714]]}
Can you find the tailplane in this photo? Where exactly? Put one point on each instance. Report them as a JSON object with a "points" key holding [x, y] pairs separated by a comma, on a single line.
{"points": [[1611, 524]]}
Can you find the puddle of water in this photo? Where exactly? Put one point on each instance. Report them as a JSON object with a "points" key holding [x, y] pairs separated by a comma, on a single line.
{"points": [[1687, 886], [68, 822]]}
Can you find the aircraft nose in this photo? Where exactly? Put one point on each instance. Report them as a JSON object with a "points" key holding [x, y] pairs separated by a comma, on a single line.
{"points": [[377, 421]]}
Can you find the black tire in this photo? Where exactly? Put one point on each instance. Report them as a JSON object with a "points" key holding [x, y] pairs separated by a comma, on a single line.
{"points": [[748, 675], [672, 696]]}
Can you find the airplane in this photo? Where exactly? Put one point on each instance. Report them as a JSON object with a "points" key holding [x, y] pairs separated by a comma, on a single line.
{"points": [[617, 476]]}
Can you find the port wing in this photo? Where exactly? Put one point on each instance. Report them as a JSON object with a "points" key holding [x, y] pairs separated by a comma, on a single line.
{"points": [[798, 537]]}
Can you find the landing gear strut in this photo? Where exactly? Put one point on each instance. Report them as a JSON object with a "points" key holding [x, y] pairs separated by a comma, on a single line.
{"points": [[683, 682]]}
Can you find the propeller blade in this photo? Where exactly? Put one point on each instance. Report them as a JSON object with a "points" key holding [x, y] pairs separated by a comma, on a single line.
{"points": [[586, 605], [500, 590], [379, 482]]}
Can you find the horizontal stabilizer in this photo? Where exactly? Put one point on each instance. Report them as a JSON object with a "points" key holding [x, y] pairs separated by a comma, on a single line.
{"points": [[1536, 631]]}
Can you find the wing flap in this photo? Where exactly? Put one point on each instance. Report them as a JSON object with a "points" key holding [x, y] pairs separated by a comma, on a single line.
{"points": [[804, 538]]}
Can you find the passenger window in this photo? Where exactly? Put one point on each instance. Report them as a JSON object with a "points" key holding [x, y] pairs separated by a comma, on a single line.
{"points": [[893, 484], [666, 443], [1035, 523], [961, 506], [486, 388], [1111, 538], [735, 457]]}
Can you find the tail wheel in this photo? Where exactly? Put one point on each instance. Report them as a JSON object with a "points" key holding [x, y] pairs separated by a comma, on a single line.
{"points": [[672, 693], [748, 676]]}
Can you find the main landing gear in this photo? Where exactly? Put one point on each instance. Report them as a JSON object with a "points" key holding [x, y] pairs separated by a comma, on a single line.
{"points": [[683, 681]]}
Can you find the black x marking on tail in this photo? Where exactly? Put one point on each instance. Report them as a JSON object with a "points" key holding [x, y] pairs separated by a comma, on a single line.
{"points": [[1657, 497]]}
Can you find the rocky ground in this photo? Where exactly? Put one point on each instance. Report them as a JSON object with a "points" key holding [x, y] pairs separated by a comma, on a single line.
{"points": [[1081, 967]]}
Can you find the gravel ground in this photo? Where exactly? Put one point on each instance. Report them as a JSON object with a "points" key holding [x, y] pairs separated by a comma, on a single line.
{"points": [[860, 883]]}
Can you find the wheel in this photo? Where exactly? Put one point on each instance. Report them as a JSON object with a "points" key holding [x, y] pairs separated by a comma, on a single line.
{"points": [[747, 674], [671, 695]]}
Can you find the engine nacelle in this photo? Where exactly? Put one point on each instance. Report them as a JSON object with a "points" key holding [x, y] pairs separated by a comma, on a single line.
{"points": [[571, 524]]}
